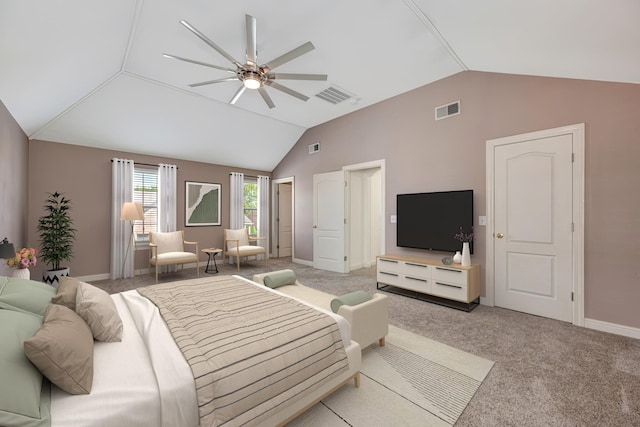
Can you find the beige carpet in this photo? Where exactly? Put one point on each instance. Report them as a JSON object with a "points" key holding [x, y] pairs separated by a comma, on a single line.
{"points": [[411, 381]]}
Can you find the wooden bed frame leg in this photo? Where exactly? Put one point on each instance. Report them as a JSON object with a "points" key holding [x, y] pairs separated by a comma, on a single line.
{"points": [[356, 379], [381, 341]]}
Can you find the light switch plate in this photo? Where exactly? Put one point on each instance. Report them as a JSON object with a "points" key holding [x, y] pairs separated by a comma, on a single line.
{"points": [[394, 219], [482, 220]]}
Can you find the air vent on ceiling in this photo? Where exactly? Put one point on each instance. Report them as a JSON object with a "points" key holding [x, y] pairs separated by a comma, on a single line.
{"points": [[448, 110], [314, 148], [334, 95]]}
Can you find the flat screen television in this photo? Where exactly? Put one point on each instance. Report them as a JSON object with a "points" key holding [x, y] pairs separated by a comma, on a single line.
{"points": [[430, 220]]}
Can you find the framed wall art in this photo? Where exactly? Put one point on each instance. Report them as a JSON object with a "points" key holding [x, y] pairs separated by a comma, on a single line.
{"points": [[202, 204]]}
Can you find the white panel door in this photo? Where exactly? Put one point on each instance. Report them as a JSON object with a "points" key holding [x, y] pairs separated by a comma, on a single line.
{"points": [[533, 226], [284, 220], [328, 222]]}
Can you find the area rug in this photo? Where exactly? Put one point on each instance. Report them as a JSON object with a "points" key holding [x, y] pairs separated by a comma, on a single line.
{"points": [[411, 381]]}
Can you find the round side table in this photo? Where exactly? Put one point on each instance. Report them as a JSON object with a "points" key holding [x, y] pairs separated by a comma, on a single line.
{"points": [[212, 252]]}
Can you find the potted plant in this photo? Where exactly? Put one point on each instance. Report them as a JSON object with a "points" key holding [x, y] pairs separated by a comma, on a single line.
{"points": [[56, 237]]}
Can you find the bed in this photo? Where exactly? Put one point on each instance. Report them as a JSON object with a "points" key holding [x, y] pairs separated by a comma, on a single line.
{"points": [[145, 379]]}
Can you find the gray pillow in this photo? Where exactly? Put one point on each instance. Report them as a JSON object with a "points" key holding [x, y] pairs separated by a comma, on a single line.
{"points": [[62, 350], [353, 298], [25, 295], [279, 278], [97, 308], [21, 387]]}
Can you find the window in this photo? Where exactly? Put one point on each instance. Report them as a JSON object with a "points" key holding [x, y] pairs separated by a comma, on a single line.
{"points": [[251, 206], [145, 192]]}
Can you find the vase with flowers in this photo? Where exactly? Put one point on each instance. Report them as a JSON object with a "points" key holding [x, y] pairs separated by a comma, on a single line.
{"points": [[465, 239], [25, 258]]}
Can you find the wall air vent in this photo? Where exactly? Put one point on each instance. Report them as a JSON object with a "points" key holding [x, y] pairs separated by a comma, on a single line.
{"points": [[448, 110], [334, 95], [314, 148]]}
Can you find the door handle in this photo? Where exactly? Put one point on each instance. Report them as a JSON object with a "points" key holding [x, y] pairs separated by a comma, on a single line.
{"points": [[499, 235], [315, 226]]}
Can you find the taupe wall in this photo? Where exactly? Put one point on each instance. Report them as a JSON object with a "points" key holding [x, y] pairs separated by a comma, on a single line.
{"points": [[424, 155], [13, 183], [84, 175]]}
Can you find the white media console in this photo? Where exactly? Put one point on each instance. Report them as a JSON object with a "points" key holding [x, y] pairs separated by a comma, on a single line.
{"points": [[452, 285]]}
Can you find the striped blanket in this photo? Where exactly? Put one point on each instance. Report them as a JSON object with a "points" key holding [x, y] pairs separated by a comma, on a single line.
{"points": [[251, 351]]}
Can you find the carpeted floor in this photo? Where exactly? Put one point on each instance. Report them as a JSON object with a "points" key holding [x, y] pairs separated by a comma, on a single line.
{"points": [[546, 372]]}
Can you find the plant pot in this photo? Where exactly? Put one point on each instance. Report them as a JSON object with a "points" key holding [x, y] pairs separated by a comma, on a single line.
{"points": [[52, 277]]}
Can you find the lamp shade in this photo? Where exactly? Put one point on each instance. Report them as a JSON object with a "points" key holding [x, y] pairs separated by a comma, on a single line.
{"points": [[6, 249], [131, 212]]}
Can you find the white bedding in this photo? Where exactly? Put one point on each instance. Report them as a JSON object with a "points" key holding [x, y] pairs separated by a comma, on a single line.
{"points": [[131, 388], [145, 380]]}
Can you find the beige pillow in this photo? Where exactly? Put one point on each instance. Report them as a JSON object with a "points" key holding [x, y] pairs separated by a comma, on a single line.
{"points": [[67, 290], [96, 307], [62, 349]]}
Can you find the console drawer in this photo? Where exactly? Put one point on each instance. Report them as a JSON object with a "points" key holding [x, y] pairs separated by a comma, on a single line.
{"points": [[390, 265], [416, 270], [389, 278], [449, 275], [454, 291], [418, 284]]}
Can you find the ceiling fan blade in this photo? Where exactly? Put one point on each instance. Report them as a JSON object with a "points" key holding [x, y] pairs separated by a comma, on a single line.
{"points": [[286, 90], [289, 56], [266, 97], [193, 61], [290, 76], [210, 43], [208, 82], [252, 53], [237, 95]]}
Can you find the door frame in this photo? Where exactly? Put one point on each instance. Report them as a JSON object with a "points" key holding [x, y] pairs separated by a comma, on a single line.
{"points": [[578, 135], [274, 209], [374, 164]]}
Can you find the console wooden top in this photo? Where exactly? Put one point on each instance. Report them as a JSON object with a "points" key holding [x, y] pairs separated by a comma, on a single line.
{"points": [[427, 261]]}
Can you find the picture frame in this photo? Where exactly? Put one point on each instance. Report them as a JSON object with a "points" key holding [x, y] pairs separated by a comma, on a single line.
{"points": [[202, 204]]}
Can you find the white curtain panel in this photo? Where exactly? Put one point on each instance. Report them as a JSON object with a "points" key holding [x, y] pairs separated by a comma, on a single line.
{"points": [[167, 197], [167, 204], [121, 192], [236, 209], [263, 211]]}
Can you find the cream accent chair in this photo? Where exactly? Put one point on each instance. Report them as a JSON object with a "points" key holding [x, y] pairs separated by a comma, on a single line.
{"points": [[237, 243], [168, 249]]}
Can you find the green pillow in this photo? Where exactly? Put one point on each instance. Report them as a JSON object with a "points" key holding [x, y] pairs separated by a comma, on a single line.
{"points": [[353, 298], [279, 278], [25, 295], [24, 394]]}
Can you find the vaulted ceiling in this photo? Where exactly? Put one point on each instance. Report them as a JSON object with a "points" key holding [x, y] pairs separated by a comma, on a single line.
{"points": [[92, 73]]}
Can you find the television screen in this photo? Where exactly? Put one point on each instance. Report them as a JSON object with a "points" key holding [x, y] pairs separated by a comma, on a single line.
{"points": [[431, 220]]}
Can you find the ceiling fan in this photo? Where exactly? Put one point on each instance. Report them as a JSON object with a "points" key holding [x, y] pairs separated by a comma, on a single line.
{"points": [[252, 75]]}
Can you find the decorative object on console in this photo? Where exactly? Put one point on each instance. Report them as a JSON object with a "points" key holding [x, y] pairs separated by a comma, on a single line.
{"points": [[130, 212], [465, 239], [448, 260], [56, 237], [457, 258]]}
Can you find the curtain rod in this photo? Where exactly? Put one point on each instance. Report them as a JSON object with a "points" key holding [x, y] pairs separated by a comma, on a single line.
{"points": [[144, 164], [248, 176]]}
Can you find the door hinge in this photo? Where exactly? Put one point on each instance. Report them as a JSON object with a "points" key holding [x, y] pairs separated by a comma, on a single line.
{"points": [[277, 246], [345, 220], [345, 183], [571, 296], [573, 157], [573, 227], [345, 257]]}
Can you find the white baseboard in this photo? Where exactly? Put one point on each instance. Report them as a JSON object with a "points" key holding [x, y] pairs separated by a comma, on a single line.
{"points": [[303, 262], [612, 328]]}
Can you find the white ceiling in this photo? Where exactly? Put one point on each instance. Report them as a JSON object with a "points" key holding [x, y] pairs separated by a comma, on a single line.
{"points": [[92, 72]]}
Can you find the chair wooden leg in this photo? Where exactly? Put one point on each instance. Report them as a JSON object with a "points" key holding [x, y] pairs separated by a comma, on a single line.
{"points": [[381, 341], [156, 274]]}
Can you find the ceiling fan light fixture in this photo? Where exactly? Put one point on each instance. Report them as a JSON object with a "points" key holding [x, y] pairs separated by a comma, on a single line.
{"points": [[251, 81]]}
